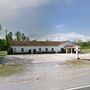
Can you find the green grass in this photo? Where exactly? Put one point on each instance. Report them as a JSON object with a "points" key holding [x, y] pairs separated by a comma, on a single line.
{"points": [[85, 50], [3, 53], [7, 70]]}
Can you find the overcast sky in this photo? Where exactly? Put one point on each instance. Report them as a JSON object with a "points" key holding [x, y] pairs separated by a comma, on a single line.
{"points": [[45, 19]]}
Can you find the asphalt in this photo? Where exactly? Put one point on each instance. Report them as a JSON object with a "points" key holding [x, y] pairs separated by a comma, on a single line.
{"points": [[86, 88], [80, 88]]}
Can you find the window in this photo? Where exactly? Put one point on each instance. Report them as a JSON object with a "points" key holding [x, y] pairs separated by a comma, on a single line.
{"points": [[39, 49], [34, 51], [52, 49], [22, 49], [30, 51], [46, 49], [14, 49]]}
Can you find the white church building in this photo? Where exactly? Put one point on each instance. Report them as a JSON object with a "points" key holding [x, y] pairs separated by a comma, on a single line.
{"points": [[39, 47]]}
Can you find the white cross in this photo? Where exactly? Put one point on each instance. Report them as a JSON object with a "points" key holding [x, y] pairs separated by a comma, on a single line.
{"points": [[77, 54]]}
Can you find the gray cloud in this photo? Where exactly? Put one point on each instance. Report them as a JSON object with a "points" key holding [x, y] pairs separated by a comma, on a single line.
{"points": [[9, 8], [27, 16]]}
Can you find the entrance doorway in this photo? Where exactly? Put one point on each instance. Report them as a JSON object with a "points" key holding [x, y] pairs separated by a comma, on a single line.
{"points": [[30, 51], [34, 51]]}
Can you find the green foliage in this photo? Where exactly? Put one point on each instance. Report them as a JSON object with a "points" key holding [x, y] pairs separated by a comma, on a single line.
{"points": [[18, 35], [9, 36], [84, 45], [7, 70], [85, 50], [63, 50], [2, 55], [10, 51], [3, 45], [21, 36]]}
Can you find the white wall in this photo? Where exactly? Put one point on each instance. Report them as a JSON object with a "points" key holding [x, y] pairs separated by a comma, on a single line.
{"points": [[43, 48]]}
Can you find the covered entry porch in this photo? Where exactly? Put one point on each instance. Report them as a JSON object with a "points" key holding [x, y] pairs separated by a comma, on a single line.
{"points": [[71, 48]]}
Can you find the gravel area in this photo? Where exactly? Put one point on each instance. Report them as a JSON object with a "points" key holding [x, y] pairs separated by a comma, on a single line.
{"points": [[36, 58], [45, 72]]}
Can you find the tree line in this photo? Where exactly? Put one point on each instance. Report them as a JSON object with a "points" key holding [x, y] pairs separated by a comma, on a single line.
{"points": [[84, 45], [18, 36]]}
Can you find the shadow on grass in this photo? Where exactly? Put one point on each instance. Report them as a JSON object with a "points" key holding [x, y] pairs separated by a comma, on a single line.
{"points": [[7, 70], [11, 66], [1, 59], [15, 60]]}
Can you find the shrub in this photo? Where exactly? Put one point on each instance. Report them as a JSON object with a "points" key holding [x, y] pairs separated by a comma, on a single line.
{"points": [[10, 51], [63, 50]]}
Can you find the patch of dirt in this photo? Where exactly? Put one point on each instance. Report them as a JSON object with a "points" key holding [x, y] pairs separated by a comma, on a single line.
{"points": [[77, 63]]}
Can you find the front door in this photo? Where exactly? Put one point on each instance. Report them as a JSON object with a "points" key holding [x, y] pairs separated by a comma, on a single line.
{"points": [[30, 51], [34, 51]]}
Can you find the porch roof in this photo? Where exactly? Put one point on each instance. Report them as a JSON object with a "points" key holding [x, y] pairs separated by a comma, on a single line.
{"points": [[72, 46]]}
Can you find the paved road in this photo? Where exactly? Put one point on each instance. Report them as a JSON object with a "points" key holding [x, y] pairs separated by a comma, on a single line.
{"points": [[86, 88], [80, 88]]}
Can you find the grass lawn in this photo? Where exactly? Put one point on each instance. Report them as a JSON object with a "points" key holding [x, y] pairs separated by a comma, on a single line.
{"points": [[7, 70], [3, 53], [85, 50]]}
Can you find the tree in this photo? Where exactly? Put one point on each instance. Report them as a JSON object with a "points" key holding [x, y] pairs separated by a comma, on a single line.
{"points": [[34, 40], [10, 51], [2, 44], [28, 39], [18, 36], [23, 37], [9, 36]]}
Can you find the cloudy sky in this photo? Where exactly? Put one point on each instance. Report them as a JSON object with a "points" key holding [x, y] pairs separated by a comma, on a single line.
{"points": [[47, 19]]}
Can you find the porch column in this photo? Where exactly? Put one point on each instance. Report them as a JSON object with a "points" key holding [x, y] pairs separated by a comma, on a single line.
{"points": [[71, 50], [31, 52], [66, 50]]}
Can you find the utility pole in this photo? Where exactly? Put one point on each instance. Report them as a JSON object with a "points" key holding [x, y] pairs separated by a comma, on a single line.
{"points": [[0, 27], [5, 32], [6, 37]]}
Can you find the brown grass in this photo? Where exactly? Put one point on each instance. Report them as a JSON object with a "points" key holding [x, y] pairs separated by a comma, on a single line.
{"points": [[7, 70], [77, 63]]}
